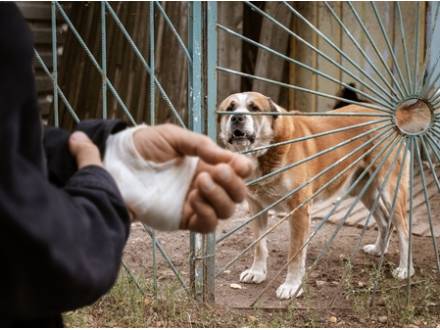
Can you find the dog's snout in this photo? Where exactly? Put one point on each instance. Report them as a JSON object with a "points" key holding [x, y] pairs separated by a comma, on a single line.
{"points": [[237, 119], [238, 133]]}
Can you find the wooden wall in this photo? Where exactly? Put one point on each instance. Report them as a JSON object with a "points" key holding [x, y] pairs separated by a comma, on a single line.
{"points": [[38, 16], [81, 82], [318, 14]]}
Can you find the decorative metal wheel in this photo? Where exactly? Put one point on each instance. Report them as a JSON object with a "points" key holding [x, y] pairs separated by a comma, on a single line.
{"points": [[397, 130]]}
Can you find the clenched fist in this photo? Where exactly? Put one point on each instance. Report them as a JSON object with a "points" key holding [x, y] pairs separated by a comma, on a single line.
{"points": [[217, 184]]}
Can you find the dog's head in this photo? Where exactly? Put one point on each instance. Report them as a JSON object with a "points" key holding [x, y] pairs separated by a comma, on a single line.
{"points": [[239, 131]]}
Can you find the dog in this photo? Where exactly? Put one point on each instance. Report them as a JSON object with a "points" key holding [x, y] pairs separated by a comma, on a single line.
{"points": [[241, 132]]}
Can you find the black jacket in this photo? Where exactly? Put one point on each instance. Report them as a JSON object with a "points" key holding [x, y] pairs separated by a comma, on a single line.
{"points": [[62, 231]]}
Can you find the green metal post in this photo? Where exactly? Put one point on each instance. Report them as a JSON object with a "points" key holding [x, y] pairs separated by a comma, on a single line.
{"points": [[196, 124], [211, 127]]}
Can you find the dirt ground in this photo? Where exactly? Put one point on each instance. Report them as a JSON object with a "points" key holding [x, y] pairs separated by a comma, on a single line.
{"points": [[332, 291]]}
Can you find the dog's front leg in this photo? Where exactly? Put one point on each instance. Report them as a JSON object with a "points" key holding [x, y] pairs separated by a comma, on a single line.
{"points": [[299, 229], [257, 272]]}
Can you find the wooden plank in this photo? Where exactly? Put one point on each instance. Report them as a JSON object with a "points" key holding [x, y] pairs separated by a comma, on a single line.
{"points": [[408, 10], [385, 10], [43, 83], [268, 65], [347, 45], [47, 59], [330, 27], [43, 35], [301, 77], [45, 105], [230, 14], [172, 71], [38, 10]]}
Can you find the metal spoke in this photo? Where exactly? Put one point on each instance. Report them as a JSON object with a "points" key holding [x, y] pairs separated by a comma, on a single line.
{"points": [[428, 52], [416, 45], [328, 58], [332, 113], [322, 188], [132, 279], [54, 62], [388, 231], [373, 210], [305, 138], [104, 61], [390, 147], [60, 92], [355, 42], [377, 200], [373, 44], [411, 211], [314, 156], [335, 47], [139, 55], [95, 63], [405, 48], [385, 103], [428, 206], [388, 42], [431, 165], [296, 189], [167, 259], [173, 29], [303, 89]]}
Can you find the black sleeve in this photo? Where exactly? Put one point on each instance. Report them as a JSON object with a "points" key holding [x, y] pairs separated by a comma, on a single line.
{"points": [[60, 163], [59, 248]]}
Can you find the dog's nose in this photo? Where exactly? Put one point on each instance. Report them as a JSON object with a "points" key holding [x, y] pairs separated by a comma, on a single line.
{"points": [[237, 119]]}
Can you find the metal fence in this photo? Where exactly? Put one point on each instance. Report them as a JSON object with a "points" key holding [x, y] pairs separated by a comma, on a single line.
{"points": [[201, 83], [387, 73]]}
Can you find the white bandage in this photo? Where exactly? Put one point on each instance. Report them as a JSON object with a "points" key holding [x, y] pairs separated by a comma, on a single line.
{"points": [[155, 192]]}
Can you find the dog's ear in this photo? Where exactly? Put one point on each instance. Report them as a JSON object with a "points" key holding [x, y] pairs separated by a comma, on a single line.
{"points": [[273, 107]]}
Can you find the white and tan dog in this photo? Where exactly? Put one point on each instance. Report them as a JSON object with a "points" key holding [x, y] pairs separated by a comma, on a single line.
{"points": [[242, 132]]}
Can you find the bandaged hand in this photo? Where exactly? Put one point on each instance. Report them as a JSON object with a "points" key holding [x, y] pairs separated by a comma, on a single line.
{"points": [[172, 178]]}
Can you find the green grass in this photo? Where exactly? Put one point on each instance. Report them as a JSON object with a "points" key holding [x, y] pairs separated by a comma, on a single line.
{"points": [[125, 306]]}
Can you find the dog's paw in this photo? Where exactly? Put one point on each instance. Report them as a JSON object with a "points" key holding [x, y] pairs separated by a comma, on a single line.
{"points": [[253, 276], [401, 273], [287, 290], [372, 249]]}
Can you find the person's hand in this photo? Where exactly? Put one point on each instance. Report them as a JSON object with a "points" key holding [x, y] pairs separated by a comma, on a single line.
{"points": [[217, 183], [84, 150]]}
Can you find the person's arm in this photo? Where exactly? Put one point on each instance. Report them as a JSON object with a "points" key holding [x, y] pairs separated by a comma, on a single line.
{"points": [[60, 248], [61, 165]]}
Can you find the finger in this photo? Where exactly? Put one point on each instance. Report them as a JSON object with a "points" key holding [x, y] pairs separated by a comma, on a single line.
{"points": [[215, 195], [230, 182], [204, 219], [241, 165], [187, 211], [84, 150], [188, 143]]}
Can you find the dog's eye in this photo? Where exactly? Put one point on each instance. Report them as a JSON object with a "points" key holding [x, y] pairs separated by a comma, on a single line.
{"points": [[231, 107], [254, 108]]}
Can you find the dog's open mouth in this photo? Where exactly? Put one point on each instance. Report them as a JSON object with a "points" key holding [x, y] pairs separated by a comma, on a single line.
{"points": [[245, 139]]}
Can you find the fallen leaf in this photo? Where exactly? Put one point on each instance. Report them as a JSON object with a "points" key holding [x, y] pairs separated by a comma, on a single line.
{"points": [[332, 319], [383, 319], [235, 286]]}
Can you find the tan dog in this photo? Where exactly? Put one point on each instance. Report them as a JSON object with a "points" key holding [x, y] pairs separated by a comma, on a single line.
{"points": [[243, 132]]}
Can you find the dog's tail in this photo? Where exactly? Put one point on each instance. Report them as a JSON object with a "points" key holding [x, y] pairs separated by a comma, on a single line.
{"points": [[348, 94]]}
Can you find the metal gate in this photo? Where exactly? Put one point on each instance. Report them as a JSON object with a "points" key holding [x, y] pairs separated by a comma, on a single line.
{"points": [[389, 77]]}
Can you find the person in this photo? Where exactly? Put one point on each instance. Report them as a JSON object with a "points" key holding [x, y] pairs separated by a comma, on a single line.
{"points": [[64, 220]]}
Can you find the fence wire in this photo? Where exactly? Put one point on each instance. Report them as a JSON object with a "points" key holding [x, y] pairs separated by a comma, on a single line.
{"points": [[107, 13], [401, 76], [386, 69]]}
